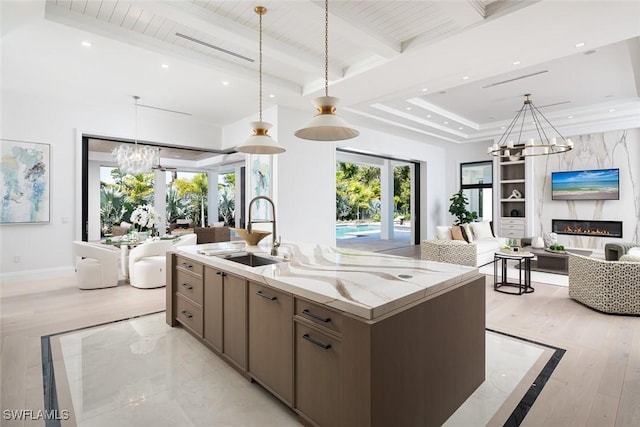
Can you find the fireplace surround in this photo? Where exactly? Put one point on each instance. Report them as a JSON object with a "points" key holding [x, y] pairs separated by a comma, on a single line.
{"points": [[577, 227]]}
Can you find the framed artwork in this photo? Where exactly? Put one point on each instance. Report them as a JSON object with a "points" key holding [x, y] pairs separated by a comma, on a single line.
{"points": [[261, 167], [25, 173]]}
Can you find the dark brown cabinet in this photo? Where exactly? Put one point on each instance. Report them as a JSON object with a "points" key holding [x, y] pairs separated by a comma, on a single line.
{"points": [[271, 339]]}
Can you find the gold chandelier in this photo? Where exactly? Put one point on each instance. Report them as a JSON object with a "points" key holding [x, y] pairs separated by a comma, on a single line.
{"points": [[543, 146], [326, 125], [134, 158], [260, 142]]}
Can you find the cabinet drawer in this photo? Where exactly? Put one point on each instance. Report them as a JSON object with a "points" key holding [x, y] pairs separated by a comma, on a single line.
{"points": [[189, 265], [513, 227], [512, 233], [512, 221], [189, 286], [319, 314], [189, 314]]}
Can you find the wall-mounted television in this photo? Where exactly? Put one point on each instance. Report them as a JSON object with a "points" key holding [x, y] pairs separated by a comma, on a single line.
{"points": [[595, 184]]}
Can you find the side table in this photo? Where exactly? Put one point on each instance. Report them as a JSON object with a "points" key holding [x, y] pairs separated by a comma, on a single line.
{"points": [[524, 265]]}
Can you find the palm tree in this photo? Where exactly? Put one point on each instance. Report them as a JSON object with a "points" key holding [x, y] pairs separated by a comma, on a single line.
{"points": [[195, 190]]}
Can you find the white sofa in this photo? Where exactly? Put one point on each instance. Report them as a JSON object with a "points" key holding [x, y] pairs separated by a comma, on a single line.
{"points": [[478, 251]]}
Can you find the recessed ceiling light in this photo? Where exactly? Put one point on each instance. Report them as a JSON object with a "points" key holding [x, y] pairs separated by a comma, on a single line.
{"points": [[225, 83], [428, 116], [502, 127], [516, 62], [424, 89], [446, 123], [579, 44], [460, 128], [611, 110], [86, 44], [165, 66], [271, 95], [408, 108], [465, 78], [569, 117]]}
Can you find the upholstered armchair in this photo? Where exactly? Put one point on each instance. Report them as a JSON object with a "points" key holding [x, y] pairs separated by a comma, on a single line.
{"points": [[96, 265], [186, 240], [607, 286], [147, 264]]}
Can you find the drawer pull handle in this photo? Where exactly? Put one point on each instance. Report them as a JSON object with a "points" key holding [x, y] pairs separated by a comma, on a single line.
{"points": [[186, 314], [316, 342], [189, 266], [188, 286], [220, 273], [316, 316], [269, 297]]}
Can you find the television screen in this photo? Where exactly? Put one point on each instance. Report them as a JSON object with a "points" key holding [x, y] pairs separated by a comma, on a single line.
{"points": [[599, 184]]}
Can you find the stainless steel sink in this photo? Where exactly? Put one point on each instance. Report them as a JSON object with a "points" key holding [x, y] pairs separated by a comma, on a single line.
{"points": [[250, 259]]}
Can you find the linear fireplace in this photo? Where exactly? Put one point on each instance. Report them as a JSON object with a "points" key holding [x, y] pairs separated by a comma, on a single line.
{"points": [[576, 227]]}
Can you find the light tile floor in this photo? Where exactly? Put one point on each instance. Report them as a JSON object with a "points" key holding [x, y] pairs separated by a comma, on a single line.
{"points": [[141, 372]]}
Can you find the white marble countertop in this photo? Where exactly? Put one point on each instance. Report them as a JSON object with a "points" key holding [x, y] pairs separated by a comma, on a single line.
{"points": [[365, 284]]}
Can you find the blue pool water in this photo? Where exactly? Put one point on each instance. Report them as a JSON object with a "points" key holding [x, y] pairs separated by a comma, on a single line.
{"points": [[343, 230]]}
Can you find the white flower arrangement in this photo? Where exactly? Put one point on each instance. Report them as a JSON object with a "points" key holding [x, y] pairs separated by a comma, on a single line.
{"points": [[145, 217]]}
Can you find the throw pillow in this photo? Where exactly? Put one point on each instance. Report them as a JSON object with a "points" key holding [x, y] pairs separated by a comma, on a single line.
{"points": [[630, 258], [456, 233], [481, 230], [466, 231], [443, 232]]}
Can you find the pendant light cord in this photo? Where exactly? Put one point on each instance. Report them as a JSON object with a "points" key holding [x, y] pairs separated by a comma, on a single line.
{"points": [[326, 47], [260, 55]]}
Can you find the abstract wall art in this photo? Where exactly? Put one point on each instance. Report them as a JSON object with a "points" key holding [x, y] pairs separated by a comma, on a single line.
{"points": [[24, 182]]}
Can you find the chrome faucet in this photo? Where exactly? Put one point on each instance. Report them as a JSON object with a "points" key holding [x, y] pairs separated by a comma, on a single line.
{"points": [[276, 242]]}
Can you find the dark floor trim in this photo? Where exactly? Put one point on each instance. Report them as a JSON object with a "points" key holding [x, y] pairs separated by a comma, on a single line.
{"points": [[51, 406], [520, 412]]}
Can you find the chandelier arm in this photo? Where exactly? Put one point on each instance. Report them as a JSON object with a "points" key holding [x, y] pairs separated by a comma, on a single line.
{"points": [[506, 134], [550, 124]]}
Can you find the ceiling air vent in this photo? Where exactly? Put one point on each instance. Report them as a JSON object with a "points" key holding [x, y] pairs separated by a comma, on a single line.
{"points": [[203, 43], [514, 79]]}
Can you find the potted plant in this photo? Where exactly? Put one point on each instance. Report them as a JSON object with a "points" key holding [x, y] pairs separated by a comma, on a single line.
{"points": [[458, 209]]}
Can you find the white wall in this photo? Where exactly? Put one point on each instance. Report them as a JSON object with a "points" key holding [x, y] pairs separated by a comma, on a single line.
{"points": [[56, 122], [602, 150]]}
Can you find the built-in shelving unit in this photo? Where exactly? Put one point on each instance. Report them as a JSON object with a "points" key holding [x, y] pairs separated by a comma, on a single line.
{"points": [[512, 194]]}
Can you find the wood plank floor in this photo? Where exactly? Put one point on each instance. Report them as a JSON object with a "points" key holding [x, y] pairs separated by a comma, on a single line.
{"points": [[597, 383]]}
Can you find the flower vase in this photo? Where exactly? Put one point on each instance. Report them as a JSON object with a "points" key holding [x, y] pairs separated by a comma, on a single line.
{"points": [[142, 236]]}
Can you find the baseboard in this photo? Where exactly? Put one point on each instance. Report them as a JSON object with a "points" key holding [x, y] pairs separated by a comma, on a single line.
{"points": [[45, 273]]}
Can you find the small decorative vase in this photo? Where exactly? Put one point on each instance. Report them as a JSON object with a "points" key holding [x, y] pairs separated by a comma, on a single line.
{"points": [[142, 236], [537, 243], [550, 239]]}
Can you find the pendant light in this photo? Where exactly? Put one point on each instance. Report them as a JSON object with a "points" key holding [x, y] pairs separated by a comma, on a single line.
{"points": [[543, 146], [260, 142], [134, 158], [326, 125]]}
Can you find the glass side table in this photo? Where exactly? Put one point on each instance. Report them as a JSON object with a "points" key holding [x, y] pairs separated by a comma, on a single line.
{"points": [[501, 282]]}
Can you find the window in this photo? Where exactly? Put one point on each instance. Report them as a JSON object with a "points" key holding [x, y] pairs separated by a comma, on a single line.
{"points": [[476, 181]]}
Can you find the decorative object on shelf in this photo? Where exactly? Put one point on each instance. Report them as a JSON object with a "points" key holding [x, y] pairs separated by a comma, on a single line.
{"points": [[458, 208], [537, 243], [25, 173], [134, 158], [556, 249], [146, 219], [550, 239], [515, 194], [506, 145], [326, 125], [260, 142], [514, 212]]}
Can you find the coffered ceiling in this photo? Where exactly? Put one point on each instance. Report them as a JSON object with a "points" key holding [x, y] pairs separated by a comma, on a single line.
{"points": [[455, 71]]}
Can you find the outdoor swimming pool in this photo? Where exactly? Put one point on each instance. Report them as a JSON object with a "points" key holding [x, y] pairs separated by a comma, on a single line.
{"points": [[342, 231]]}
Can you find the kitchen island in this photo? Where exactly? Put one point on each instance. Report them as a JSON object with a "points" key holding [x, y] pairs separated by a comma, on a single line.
{"points": [[343, 337]]}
